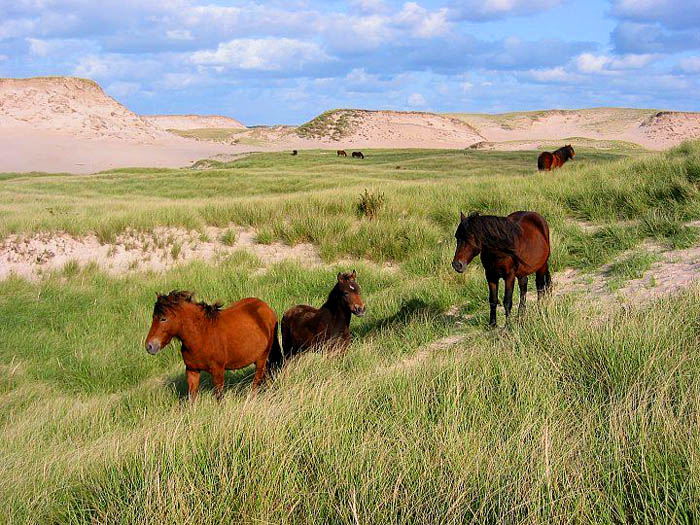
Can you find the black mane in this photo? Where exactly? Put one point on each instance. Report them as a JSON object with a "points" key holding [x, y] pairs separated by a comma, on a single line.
{"points": [[491, 232], [564, 152], [169, 302]]}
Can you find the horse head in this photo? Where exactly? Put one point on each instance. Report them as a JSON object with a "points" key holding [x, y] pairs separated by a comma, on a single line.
{"points": [[166, 321], [468, 246], [350, 293]]}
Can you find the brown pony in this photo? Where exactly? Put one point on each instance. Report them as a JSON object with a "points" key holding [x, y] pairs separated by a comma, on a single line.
{"points": [[548, 161], [357, 155], [341, 153], [304, 326], [215, 340], [510, 247]]}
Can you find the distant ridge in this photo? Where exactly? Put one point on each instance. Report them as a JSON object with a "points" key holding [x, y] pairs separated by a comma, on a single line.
{"points": [[194, 122], [649, 128]]}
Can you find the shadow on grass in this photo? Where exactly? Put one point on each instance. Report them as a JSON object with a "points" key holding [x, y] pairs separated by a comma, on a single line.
{"points": [[416, 309], [235, 381]]}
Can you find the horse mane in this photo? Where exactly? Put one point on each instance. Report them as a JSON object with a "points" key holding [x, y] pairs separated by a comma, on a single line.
{"points": [[168, 302], [564, 152], [492, 232]]}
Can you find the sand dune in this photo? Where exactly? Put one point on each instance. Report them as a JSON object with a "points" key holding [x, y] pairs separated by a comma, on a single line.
{"points": [[71, 106], [59, 124], [649, 128], [193, 122], [386, 129]]}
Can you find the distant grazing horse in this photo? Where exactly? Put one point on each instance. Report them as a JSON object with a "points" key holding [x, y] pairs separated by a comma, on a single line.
{"points": [[215, 340], [341, 153], [294, 152], [510, 247], [357, 155], [548, 161], [304, 326]]}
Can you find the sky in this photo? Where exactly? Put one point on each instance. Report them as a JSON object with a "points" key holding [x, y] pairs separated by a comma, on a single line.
{"points": [[287, 61]]}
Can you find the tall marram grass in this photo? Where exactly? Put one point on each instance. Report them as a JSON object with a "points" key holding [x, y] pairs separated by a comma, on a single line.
{"points": [[580, 413], [575, 415]]}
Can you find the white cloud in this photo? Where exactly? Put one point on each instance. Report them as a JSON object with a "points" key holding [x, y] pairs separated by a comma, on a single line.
{"points": [[116, 67], [38, 47], [672, 13], [60, 48], [266, 54], [16, 27], [421, 22], [416, 100], [554, 74], [123, 89], [590, 63], [489, 9], [175, 81], [179, 34], [690, 65]]}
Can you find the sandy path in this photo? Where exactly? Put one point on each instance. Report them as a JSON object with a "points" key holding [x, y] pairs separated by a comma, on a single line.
{"points": [[30, 256]]}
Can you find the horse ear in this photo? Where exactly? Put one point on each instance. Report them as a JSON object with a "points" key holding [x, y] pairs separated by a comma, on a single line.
{"points": [[340, 275], [462, 216], [354, 273]]}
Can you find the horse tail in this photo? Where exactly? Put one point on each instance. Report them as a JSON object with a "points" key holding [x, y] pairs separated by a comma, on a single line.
{"points": [[275, 358], [541, 165]]}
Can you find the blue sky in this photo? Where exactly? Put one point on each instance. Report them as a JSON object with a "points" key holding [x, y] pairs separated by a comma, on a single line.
{"points": [[286, 61]]}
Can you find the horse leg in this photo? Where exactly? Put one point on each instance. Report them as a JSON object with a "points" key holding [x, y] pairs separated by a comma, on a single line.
{"points": [[192, 383], [493, 301], [508, 295], [217, 375], [260, 366], [522, 284], [542, 281]]}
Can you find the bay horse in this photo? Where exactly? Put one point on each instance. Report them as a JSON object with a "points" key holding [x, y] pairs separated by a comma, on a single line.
{"points": [[304, 326], [511, 247], [341, 153], [357, 155], [215, 339], [548, 161]]}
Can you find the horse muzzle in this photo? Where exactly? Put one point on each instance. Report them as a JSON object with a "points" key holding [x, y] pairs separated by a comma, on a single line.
{"points": [[152, 347], [459, 266], [359, 311]]}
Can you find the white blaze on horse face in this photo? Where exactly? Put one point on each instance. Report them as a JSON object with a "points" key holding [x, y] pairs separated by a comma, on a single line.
{"points": [[352, 287]]}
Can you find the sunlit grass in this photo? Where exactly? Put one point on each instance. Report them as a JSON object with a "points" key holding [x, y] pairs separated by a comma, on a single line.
{"points": [[582, 412]]}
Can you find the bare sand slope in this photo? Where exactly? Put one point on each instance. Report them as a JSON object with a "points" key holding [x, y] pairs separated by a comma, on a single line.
{"points": [[193, 122], [649, 128], [64, 124], [72, 106]]}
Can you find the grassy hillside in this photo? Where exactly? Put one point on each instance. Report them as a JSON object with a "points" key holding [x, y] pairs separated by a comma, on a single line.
{"points": [[584, 412]]}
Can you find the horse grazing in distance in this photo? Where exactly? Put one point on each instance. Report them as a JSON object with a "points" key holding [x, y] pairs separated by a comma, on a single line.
{"points": [[215, 340], [548, 161], [294, 152], [341, 153], [511, 247], [304, 326], [357, 155]]}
